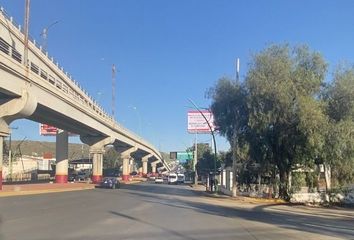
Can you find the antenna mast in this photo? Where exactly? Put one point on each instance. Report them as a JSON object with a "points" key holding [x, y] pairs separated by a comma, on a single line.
{"points": [[237, 69], [26, 30], [113, 89]]}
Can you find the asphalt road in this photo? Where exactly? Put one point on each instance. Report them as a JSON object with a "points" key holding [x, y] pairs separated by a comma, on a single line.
{"points": [[149, 211]]}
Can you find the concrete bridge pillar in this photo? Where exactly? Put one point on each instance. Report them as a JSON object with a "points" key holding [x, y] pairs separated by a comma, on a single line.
{"points": [[153, 167], [131, 165], [127, 162], [145, 168], [10, 110], [125, 176], [97, 165], [97, 145], [61, 155], [145, 164]]}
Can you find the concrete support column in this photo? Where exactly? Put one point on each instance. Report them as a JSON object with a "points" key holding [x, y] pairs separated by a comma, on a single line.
{"points": [[131, 165], [153, 169], [97, 165], [1, 158], [145, 164], [61, 153], [97, 145], [127, 159], [145, 168], [125, 176]]}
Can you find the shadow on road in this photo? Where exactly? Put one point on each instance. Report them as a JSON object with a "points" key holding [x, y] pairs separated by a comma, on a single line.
{"points": [[286, 217]]}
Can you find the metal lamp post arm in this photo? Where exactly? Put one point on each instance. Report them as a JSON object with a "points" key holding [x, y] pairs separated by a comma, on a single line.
{"points": [[212, 133]]}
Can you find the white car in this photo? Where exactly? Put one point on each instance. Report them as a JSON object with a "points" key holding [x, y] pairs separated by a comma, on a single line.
{"points": [[158, 180], [172, 178]]}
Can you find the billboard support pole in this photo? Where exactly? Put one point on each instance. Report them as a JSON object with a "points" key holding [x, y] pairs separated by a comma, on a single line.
{"points": [[195, 160]]}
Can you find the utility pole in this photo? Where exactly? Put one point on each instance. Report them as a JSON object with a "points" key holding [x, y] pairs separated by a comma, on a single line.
{"points": [[113, 89], [10, 154], [234, 142], [195, 160], [26, 30]]}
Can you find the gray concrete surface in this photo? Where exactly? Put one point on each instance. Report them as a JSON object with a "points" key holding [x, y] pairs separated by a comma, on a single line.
{"points": [[149, 211]]}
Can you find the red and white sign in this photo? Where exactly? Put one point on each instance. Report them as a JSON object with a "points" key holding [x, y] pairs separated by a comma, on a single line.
{"points": [[47, 130], [198, 124]]}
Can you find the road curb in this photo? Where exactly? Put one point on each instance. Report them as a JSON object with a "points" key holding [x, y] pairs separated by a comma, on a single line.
{"points": [[131, 182], [43, 191]]}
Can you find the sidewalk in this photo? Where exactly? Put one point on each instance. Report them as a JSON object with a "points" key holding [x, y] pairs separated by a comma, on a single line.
{"points": [[39, 188], [202, 190]]}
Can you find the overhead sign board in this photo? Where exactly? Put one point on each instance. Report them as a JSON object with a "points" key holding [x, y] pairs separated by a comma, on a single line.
{"points": [[184, 156], [199, 124]]}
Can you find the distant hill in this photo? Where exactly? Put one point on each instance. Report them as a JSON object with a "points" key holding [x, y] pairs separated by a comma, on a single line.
{"points": [[38, 148]]}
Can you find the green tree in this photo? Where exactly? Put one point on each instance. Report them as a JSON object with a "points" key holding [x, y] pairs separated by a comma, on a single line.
{"points": [[285, 113], [205, 164], [111, 158], [201, 147], [276, 117], [229, 106], [339, 151]]}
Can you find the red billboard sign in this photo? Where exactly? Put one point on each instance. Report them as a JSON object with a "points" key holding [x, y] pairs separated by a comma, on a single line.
{"points": [[47, 130], [199, 124]]}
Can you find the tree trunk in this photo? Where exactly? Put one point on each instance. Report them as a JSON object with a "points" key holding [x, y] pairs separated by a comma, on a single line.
{"points": [[283, 186], [327, 174]]}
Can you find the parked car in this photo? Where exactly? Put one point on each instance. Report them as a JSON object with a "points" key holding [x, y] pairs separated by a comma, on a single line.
{"points": [[158, 180], [82, 176], [72, 177], [110, 182]]}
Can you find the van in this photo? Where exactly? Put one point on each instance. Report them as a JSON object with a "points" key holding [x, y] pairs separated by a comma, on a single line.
{"points": [[172, 178], [180, 178]]}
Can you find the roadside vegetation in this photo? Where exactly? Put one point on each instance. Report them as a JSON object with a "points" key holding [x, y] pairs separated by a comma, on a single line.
{"points": [[289, 112]]}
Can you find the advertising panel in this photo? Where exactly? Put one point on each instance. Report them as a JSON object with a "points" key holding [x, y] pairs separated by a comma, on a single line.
{"points": [[47, 130], [198, 124]]}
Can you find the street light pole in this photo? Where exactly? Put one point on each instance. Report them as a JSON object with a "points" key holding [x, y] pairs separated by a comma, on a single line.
{"points": [[44, 34], [212, 134], [139, 119]]}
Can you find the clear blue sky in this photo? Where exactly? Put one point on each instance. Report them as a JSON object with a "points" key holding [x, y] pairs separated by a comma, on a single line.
{"points": [[169, 51]]}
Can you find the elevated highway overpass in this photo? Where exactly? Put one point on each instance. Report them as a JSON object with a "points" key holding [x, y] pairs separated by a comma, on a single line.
{"points": [[39, 89]]}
